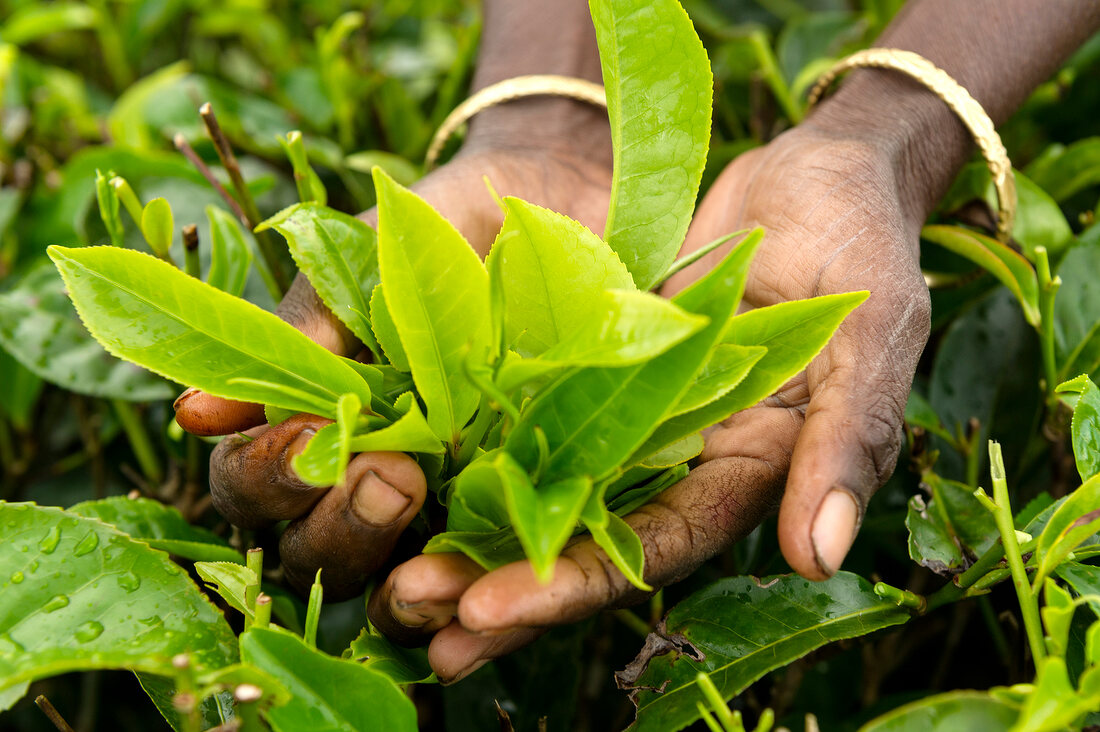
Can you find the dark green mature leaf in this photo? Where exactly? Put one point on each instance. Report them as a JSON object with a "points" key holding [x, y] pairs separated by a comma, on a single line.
{"points": [[551, 270], [1068, 169], [401, 665], [741, 628], [793, 333], [1013, 271], [39, 328], [437, 293], [1077, 313], [951, 530], [955, 710], [230, 255], [595, 418], [326, 693], [22, 389], [71, 601], [658, 84], [147, 311], [1084, 579], [339, 255], [1085, 425], [1074, 520], [159, 526]]}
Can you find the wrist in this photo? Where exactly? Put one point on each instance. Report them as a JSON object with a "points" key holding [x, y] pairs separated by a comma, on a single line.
{"points": [[922, 139], [543, 124]]}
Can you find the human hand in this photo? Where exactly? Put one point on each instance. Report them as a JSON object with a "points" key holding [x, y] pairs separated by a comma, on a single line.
{"points": [[835, 222], [349, 530]]}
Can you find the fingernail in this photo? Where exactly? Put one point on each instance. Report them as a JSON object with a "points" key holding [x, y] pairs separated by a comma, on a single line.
{"points": [[377, 502], [190, 392], [420, 614], [464, 672], [295, 448], [834, 530]]}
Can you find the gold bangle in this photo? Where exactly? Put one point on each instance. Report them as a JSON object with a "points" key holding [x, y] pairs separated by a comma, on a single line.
{"points": [[505, 91], [961, 103]]}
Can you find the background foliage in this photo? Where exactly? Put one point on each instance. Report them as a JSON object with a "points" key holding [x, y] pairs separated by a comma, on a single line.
{"points": [[108, 86]]}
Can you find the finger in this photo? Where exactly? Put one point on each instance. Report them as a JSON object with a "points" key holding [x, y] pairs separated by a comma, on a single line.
{"points": [[717, 503], [252, 483], [421, 596], [352, 529], [849, 444], [455, 652], [202, 414]]}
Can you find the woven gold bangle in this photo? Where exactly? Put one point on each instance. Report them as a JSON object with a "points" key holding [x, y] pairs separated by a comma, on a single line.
{"points": [[505, 91], [961, 103]]}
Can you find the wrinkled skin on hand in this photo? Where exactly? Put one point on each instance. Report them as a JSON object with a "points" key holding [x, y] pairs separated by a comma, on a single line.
{"points": [[835, 222]]}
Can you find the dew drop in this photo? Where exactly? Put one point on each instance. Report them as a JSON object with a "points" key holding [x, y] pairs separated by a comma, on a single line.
{"points": [[34, 565], [151, 620], [129, 581], [50, 541], [8, 645], [88, 631], [56, 603], [16, 578], [86, 545]]}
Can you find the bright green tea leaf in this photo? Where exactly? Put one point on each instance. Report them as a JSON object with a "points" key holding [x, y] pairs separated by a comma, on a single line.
{"points": [[324, 461], [955, 710], [1054, 704], [727, 367], [158, 226], [1085, 425], [743, 628], [229, 579], [1012, 269], [658, 84], [401, 665], [149, 312], [490, 549], [310, 187], [545, 518], [678, 452], [410, 433], [476, 501], [621, 500], [72, 601], [160, 526], [437, 293], [386, 332], [793, 332], [339, 255], [326, 693], [1075, 520], [551, 271], [1067, 169], [1057, 614], [617, 539], [28, 23], [230, 255]]}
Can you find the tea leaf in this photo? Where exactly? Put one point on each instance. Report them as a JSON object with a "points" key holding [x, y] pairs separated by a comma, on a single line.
{"points": [[658, 84], [1075, 520], [595, 418], [793, 333], [743, 628], [617, 539], [476, 501], [229, 580], [955, 710], [727, 367], [324, 461], [339, 255], [157, 226], [490, 549], [551, 270], [437, 292], [401, 665], [949, 530], [544, 519], [1013, 271], [71, 601], [1066, 170], [1085, 425], [149, 312], [386, 332], [230, 255], [325, 692], [410, 433]]}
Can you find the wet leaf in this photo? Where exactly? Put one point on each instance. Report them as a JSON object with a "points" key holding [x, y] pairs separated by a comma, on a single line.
{"points": [[72, 601], [738, 629], [658, 84]]}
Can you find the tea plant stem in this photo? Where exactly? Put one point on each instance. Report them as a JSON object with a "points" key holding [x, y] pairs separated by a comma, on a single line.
{"points": [[142, 446], [252, 213], [52, 714], [770, 69], [313, 611], [1048, 288], [695, 256], [191, 265], [632, 621], [188, 152], [263, 611], [1002, 515]]}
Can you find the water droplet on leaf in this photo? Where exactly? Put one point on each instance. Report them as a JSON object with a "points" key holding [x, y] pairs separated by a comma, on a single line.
{"points": [[16, 578], [86, 545], [129, 581], [88, 631], [56, 603], [50, 541], [8, 645]]}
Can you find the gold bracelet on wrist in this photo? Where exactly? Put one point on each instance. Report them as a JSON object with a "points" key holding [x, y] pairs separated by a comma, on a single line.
{"points": [[961, 103], [505, 91]]}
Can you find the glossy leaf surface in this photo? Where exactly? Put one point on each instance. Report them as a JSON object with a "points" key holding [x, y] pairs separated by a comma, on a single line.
{"points": [[339, 255], [326, 693], [490, 549], [551, 270], [324, 461], [617, 539], [147, 311], [400, 665], [746, 627], [437, 293], [793, 332], [1085, 425], [658, 84], [72, 601], [1077, 313], [159, 526], [544, 519], [39, 328], [230, 254], [950, 529], [955, 710], [728, 365]]}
